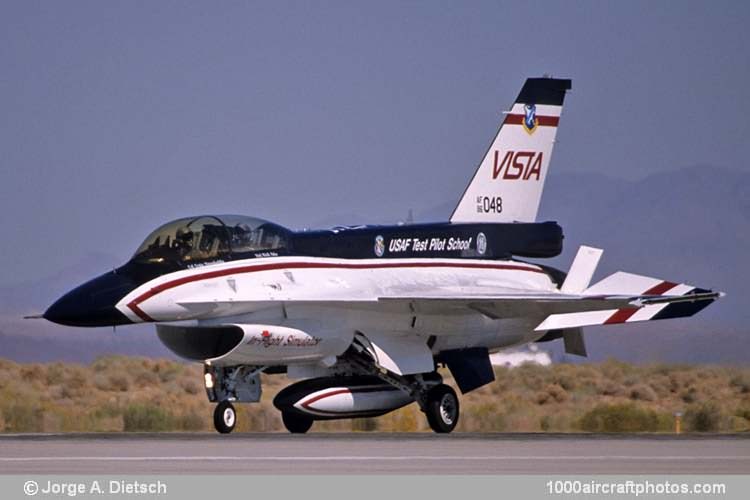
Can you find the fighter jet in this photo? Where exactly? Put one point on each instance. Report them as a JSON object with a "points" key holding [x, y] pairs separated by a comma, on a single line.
{"points": [[366, 317]]}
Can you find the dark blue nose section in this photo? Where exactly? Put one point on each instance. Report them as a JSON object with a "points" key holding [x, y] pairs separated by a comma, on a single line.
{"points": [[93, 303]]}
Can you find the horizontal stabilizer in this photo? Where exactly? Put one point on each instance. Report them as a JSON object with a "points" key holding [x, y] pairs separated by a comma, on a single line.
{"points": [[649, 299]]}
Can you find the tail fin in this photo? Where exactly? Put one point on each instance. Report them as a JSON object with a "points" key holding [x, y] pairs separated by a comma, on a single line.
{"points": [[507, 185]]}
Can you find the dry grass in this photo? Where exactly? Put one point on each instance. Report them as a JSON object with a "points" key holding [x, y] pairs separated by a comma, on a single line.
{"points": [[138, 394]]}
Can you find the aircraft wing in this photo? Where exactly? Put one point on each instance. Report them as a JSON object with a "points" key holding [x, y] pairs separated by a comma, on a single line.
{"points": [[510, 305], [498, 306]]}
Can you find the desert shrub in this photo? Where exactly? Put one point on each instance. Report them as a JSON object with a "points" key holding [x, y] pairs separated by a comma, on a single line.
{"points": [[166, 370], [741, 383], [146, 379], [690, 396], [190, 422], [557, 393], [75, 377], [497, 422], [610, 388], [22, 416], [532, 376], [106, 410], [642, 392], [545, 423], [190, 386], [553, 393], [623, 418], [567, 382], [55, 373], [406, 419], [615, 370], [104, 363], [119, 382], [33, 373], [111, 383], [542, 398], [365, 424], [101, 382], [661, 386], [146, 417], [703, 418], [68, 392]]}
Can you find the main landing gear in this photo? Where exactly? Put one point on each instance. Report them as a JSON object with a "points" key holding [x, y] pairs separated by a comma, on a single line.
{"points": [[437, 400], [241, 384], [441, 408]]}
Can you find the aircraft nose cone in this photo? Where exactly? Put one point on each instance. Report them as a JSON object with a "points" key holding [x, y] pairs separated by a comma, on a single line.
{"points": [[92, 304]]}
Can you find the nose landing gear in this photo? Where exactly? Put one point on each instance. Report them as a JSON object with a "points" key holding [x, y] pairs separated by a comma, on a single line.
{"points": [[225, 417]]}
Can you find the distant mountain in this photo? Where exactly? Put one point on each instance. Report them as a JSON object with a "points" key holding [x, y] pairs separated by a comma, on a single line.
{"points": [[34, 296], [37, 340], [690, 225]]}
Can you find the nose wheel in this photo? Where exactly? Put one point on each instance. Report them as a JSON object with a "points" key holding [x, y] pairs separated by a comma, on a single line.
{"points": [[442, 408], [225, 417]]}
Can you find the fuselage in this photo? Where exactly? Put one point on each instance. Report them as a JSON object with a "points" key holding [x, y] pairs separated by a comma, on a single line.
{"points": [[243, 269]]}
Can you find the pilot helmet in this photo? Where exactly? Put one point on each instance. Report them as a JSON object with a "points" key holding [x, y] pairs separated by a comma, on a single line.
{"points": [[184, 235]]}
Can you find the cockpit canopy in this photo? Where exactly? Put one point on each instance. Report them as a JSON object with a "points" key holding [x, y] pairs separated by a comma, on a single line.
{"points": [[211, 237]]}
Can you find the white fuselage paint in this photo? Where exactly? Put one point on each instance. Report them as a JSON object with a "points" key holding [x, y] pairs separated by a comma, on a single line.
{"points": [[340, 296]]}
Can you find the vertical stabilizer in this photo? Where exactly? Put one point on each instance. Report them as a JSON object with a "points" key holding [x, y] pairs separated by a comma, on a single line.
{"points": [[507, 185]]}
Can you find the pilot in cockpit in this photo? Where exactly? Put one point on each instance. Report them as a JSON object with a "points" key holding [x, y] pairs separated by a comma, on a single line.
{"points": [[183, 242], [242, 237]]}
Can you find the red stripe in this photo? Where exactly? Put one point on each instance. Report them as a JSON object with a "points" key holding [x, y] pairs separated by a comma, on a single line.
{"points": [[133, 305], [660, 288], [542, 121], [622, 315], [139, 312], [307, 404]]}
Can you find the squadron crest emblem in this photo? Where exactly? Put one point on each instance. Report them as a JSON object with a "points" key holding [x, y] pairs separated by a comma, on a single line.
{"points": [[379, 246], [481, 243], [530, 121]]}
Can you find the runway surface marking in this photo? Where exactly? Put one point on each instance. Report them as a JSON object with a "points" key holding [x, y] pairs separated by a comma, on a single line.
{"points": [[383, 457], [372, 454]]}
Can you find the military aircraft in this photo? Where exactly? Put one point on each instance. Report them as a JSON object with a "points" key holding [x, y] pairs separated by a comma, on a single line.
{"points": [[364, 316]]}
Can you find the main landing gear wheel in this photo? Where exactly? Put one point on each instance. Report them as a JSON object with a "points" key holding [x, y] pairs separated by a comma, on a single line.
{"points": [[296, 423], [442, 408], [225, 417]]}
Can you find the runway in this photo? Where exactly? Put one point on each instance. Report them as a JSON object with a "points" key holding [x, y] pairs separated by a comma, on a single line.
{"points": [[365, 453]]}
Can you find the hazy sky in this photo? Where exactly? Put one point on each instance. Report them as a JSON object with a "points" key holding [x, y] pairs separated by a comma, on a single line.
{"points": [[118, 116]]}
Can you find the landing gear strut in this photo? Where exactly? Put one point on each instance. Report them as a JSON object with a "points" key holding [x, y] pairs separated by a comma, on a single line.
{"points": [[225, 417], [437, 400], [224, 384]]}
